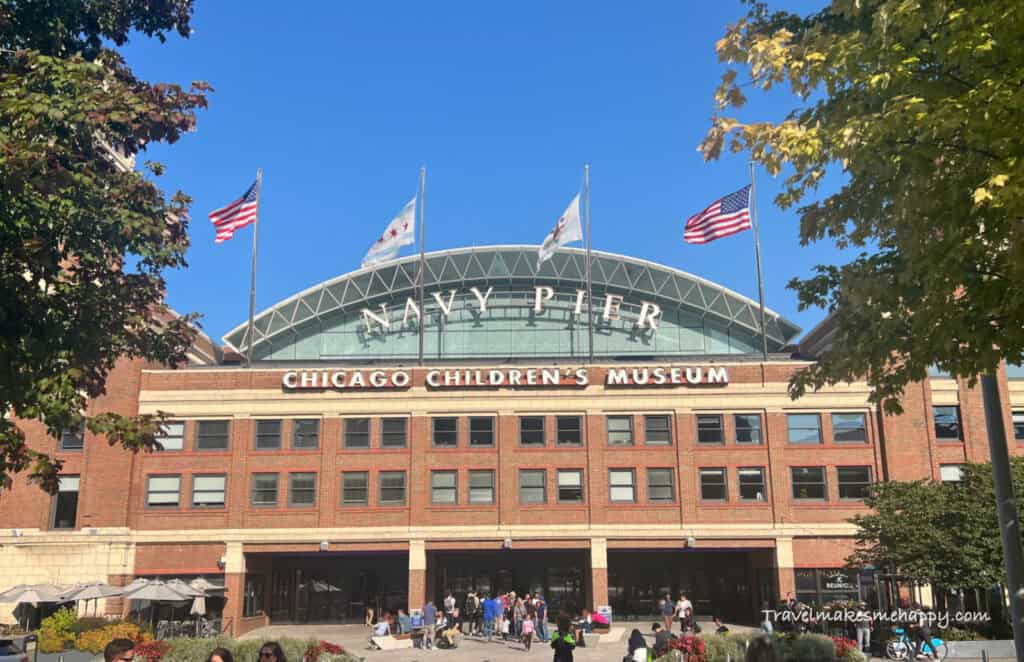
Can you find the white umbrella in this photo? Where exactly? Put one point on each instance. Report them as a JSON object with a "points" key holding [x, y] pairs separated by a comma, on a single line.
{"points": [[198, 606], [183, 588], [93, 591], [32, 593], [204, 585], [153, 590]]}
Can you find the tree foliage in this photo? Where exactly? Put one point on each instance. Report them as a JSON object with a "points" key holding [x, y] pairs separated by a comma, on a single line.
{"points": [[84, 237], [933, 532], [919, 106]]}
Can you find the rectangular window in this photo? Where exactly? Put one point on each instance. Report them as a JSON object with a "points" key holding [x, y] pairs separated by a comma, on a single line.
{"points": [[444, 488], [268, 435], [570, 486], [531, 430], [392, 488], [853, 482], [751, 484], [658, 430], [208, 491], [533, 486], [302, 489], [481, 431], [65, 503], [947, 422], [621, 486], [355, 488], [163, 491], [446, 432], [173, 436], [212, 435], [306, 434], [748, 428], [72, 440], [357, 433], [620, 430], [809, 483], [803, 428], [481, 487], [569, 430], [709, 429], [712, 485], [951, 473], [1018, 424], [849, 427], [661, 486], [394, 433], [264, 490]]}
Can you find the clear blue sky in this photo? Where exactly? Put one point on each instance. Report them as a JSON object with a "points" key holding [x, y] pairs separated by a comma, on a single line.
{"points": [[341, 103]]}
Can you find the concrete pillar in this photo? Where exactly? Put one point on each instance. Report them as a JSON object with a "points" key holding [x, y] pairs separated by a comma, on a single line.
{"points": [[417, 573], [234, 583], [598, 572], [784, 566]]}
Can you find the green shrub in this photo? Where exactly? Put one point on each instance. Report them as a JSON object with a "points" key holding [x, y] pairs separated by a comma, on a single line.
{"points": [[811, 648], [55, 632], [718, 648], [190, 650], [87, 623], [959, 634]]}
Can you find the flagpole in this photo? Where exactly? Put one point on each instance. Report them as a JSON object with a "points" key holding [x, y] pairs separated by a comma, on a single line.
{"points": [[252, 288], [423, 263], [757, 255], [590, 291]]}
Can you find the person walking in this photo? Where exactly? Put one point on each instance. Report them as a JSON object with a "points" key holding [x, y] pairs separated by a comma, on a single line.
{"points": [[526, 627], [862, 621], [684, 612], [449, 610], [667, 611], [518, 616], [490, 607], [542, 618], [563, 642]]}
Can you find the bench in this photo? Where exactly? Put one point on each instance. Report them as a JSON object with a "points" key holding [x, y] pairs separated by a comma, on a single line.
{"points": [[392, 643]]}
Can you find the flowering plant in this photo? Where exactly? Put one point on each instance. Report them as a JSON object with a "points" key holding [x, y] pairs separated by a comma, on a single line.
{"points": [[324, 651], [692, 647], [150, 651]]}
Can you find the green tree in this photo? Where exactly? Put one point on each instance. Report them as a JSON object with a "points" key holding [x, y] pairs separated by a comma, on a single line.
{"points": [[84, 237], [918, 106], [933, 532]]}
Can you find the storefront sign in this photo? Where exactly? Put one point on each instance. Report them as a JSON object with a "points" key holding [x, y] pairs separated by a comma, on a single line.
{"points": [[837, 581]]}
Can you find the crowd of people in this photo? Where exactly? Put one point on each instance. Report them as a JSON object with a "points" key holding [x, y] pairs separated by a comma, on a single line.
{"points": [[121, 650]]}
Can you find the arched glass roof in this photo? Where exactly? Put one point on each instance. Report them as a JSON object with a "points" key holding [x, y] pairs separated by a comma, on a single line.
{"points": [[509, 269]]}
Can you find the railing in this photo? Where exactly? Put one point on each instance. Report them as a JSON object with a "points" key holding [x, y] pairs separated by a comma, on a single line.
{"points": [[201, 628]]}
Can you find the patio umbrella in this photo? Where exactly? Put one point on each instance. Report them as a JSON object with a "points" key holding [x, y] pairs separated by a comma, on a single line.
{"points": [[204, 585], [32, 593], [183, 588], [153, 590], [93, 591]]}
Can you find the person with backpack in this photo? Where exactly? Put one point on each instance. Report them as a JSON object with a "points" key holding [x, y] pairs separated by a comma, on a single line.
{"points": [[563, 642]]}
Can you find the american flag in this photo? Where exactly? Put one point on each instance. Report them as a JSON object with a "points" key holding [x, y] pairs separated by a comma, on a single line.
{"points": [[722, 218], [235, 215]]}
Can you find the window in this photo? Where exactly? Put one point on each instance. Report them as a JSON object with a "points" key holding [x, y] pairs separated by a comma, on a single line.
{"points": [[394, 433], [264, 490], [951, 473], [751, 484], [658, 430], [531, 430], [620, 430], [481, 431], [533, 486], [173, 437], [661, 485], [853, 482], [392, 488], [849, 427], [570, 486], [72, 440], [444, 488], [712, 485], [621, 487], [809, 483], [306, 433], [481, 486], [357, 433], [252, 601], [1018, 424], [709, 429], [947, 422], [268, 435], [65, 503], [212, 435], [208, 491], [569, 430], [163, 491], [355, 488], [446, 432], [301, 489], [748, 428], [803, 428]]}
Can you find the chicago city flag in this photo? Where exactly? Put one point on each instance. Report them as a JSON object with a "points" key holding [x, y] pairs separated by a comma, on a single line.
{"points": [[723, 217], [401, 231], [567, 230]]}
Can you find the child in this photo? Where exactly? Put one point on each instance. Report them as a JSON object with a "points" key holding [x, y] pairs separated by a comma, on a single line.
{"points": [[563, 640], [527, 629]]}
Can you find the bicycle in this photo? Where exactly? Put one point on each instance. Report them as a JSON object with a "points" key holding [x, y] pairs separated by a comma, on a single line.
{"points": [[904, 648]]}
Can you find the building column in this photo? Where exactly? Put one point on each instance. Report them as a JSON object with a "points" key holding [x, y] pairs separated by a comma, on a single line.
{"points": [[234, 582], [784, 566], [417, 574], [598, 572]]}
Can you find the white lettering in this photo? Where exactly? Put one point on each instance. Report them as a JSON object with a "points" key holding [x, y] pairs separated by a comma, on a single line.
{"points": [[400, 379], [531, 376], [515, 377], [496, 377], [452, 378], [482, 298], [581, 377], [432, 378], [446, 308], [381, 319], [641, 376], [694, 375], [357, 380], [617, 376], [718, 376], [677, 375], [550, 376], [410, 305], [290, 379], [578, 310], [308, 380], [659, 376], [611, 307], [541, 293], [338, 379], [378, 378], [650, 313]]}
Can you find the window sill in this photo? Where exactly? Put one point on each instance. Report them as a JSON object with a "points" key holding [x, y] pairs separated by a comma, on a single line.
{"points": [[192, 453], [370, 509], [282, 451]]}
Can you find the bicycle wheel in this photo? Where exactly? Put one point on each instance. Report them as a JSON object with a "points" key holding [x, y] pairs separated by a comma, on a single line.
{"points": [[941, 651], [896, 649]]}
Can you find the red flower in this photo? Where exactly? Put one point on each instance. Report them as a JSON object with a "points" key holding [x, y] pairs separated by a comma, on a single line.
{"points": [[151, 651]]}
